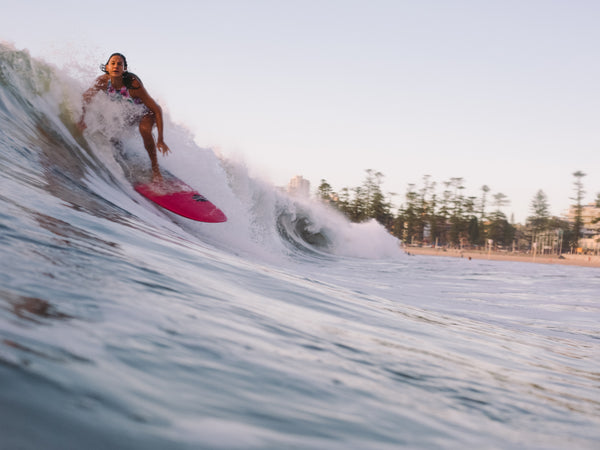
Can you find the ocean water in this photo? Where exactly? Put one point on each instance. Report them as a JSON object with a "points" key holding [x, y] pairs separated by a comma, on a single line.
{"points": [[123, 326]]}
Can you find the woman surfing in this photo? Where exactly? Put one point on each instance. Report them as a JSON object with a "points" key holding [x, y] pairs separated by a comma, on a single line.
{"points": [[121, 85]]}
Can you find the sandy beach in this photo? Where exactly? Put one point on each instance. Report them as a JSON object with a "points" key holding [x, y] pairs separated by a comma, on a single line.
{"points": [[567, 259]]}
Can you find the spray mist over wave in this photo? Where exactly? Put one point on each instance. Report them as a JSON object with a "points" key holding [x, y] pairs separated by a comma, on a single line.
{"points": [[40, 105]]}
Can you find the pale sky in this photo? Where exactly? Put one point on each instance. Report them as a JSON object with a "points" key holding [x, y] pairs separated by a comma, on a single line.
{"points": [[503, 93]]}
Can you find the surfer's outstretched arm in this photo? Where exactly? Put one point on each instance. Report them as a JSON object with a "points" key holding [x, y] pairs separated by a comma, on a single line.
{"points": [[152, 117], [155, 111]]}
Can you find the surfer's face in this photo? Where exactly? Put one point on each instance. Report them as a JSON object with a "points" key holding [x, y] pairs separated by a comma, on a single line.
{"points": [[115, 66]]}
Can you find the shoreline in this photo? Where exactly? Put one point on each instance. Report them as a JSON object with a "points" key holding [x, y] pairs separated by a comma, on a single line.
{"points": [[567, 259]]}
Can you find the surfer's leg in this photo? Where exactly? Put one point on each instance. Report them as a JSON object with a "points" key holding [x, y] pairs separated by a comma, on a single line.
{"points": [[146, 125]]}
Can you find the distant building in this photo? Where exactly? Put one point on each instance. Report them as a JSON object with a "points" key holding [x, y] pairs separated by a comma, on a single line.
{"points": [[590, 216], [299, 186], [590, 213]]}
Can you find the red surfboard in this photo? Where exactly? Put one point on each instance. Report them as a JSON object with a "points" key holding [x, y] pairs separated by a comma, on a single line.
{"points": [[178, 197]]}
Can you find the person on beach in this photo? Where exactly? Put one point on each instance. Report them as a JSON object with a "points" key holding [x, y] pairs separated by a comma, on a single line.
{"points": [[121, 85]]}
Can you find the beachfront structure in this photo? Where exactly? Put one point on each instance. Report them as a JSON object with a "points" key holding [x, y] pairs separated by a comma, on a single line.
{"points": [[590, 217], [299, 186]]}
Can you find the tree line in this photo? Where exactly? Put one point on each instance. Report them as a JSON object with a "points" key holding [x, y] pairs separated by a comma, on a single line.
{"points": [[443, 215]]}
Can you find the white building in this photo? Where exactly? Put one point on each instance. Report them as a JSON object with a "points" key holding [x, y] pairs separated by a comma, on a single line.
{"points": [[590, 214], [299, 186]]}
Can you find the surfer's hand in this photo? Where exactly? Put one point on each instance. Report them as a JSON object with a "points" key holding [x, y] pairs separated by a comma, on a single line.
{"points": [[162, 147], [81, 125]]}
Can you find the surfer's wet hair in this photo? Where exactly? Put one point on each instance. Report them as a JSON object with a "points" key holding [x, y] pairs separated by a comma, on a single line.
{"points": [[128, 77]]}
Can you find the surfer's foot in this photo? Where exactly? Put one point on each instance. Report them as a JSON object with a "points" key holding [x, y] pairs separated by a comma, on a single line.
{"points": [[157, 177]]}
